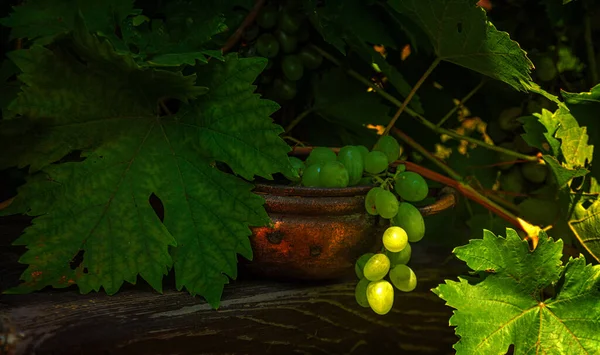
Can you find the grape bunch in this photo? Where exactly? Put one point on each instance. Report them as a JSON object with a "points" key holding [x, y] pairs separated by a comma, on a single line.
{"points": [[391, 198], [392, 201], [281, 34]]}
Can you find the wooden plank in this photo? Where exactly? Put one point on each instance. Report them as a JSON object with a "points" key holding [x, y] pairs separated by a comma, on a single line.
{"points": [[256, 316]]}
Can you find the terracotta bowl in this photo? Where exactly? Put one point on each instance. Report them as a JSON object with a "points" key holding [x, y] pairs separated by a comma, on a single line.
{"points": [[318, 233]]}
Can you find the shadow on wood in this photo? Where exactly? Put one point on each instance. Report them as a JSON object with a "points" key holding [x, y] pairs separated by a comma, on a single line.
{"points": [[255, 317]]}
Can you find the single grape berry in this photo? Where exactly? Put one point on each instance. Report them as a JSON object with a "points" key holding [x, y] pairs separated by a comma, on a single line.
{"points": [[395, 239], [284, 89], [375, 162], [386, 204], [290, 22], [376, 267], [403, 278], [380, 295], [287, 43], [320, 155], [311, 176], [363, 151], [267, 45], [334, 174], [411, 220], [534, 172], [267, 18], [360, 264], [360, 293], [352, 159], [292, 67], [411, 186], [389, 146], [401, 257], [370, 200], [310, 58]]}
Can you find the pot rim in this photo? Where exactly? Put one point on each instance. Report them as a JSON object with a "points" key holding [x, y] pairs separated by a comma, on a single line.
{"points": [[447, 196]]}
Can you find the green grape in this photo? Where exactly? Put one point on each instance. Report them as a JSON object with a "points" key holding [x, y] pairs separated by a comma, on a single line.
{"points": [[512, 181], [410, 219], [534, 172], [370, 200], [267, 18], [352, 159], [401, 257], [389, 146], [508, 118], [411, 186], [375, 162], [298, 165], [290, 22], [386, 204], [334, 174], [360, 264], [400, 168], [292, 67], [287, 43], [403, 278], [284, 89], [363, 151], [320, 155], [310, 58], [360, 293], [395, 239], [312, 175], [267, 45], [380, 295], [545, 68], [376, 267]]}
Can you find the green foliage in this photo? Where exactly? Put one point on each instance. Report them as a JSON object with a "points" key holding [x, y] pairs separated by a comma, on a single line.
{"points": [[75, 99], [510, 294], [460, 33]]}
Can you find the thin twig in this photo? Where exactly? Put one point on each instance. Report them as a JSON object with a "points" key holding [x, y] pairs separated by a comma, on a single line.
{"points": [[235, 37], [297, 120], [462, 102], [411, 94], [589, 44], [420, 118]]}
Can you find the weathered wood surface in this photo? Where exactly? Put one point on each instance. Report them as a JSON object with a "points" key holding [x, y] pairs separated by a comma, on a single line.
{"points": [[255, 317]]}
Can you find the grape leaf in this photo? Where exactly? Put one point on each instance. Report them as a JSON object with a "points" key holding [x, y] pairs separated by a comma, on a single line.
{"points": [[586, 227], [336, 20], [561, 174], [42, 20], [460, 33], [178, 40], [99, 208], [74, 117], [574, 140], [539, 132], [516, 312]]}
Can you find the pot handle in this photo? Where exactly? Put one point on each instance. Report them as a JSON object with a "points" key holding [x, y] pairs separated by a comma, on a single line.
{"points": [[447, 198]]}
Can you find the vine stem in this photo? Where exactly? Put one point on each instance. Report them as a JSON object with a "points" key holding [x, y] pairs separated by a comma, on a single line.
{"points": [[589, 44], [421, 119], [411, 94], [297, 120], [462, 102], [456, 181], [235, 37]]}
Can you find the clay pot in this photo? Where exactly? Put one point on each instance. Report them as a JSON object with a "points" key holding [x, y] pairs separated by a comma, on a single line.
{"points": [[318, 233]]}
